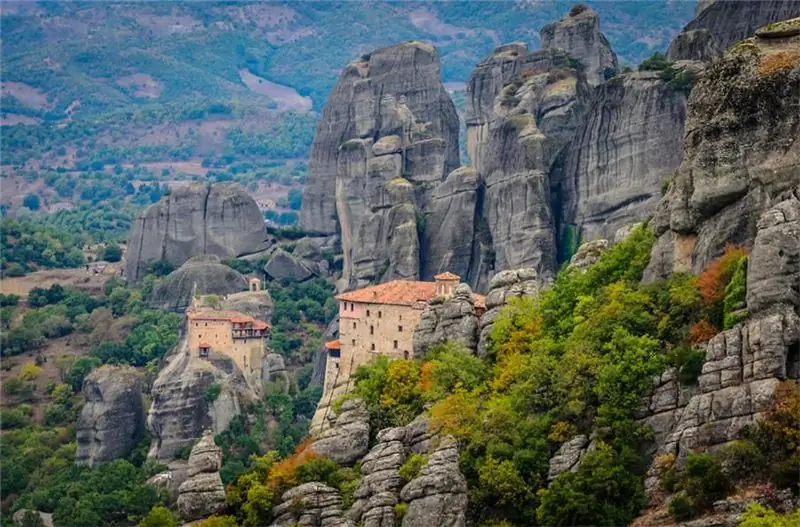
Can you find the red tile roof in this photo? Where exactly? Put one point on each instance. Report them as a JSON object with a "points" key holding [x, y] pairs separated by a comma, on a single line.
{"points": [[333, 345], [397, 292], [447, 276], [205, 345], [234, 317]]}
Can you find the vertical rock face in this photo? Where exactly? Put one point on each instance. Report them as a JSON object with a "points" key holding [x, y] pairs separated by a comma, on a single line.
{"points": [[439, 495], [579, 35], [181, 408], [347, 438], [720, 23], [453, 319], [741, 154], [200, 275], [630, 141], [202, 494], [112, 421], [310, 505], [388, 136], [200, 219]]}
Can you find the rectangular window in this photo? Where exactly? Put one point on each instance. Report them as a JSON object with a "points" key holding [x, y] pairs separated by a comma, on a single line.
{"points": [[373, 346], [372, 330], [395, 344], [354, 342], [367, 312], [354, 325], [352, 306], [379, 314], [400, 329]]}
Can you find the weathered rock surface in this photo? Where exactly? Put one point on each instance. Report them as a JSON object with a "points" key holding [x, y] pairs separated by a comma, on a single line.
{"points": [[203, 275], [588, 254], [613, 169], [774, 266], [22, 515], [379, 489], [720, 23], [199, 219], [388, 136], [568, 456], [504, 286], [203, 493], [741, 155], [310, 505], [257, 304], [283, 266], [111, 422], [579, 34], [180, 411], [346, 439], [439, 495], [453, 319], [274, 368]]}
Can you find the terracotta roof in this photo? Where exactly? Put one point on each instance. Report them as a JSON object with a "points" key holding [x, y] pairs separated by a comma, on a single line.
{"points": [[234, 317], [205, 345], [480, 300], [242, 319], [447, 276], [258, 324], [397, 292], [333, 345]]}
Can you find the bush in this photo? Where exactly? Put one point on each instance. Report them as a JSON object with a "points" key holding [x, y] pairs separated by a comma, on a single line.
{"points": [[680, 507], [13, 418], [213, 392], [703, 482], [735, 295], [218, 521], [412, 467], [159, 516], [111, 253], [757, 515], [30, 371], [689, 362], [656, 62], [741, 460]]}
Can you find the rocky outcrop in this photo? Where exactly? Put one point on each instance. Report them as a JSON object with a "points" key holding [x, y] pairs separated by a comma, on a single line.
{"points": [[587, 254], [741, 155], [451, 319], [203, 275], [379, 489], [613, 170], [439, 495], [720, 23], [24, 517], [111, 422], [568, 456], [257, 304], [182, 409], [504, 286], [579, 34], [274, 369], [310, 505], [282, 266], [346, 439], [388, 136], [199, 219], [202, 494]]}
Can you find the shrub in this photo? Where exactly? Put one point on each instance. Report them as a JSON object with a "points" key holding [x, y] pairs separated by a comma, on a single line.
{"points": [[735, 294], [400, 511], [30, 371], [656, 62], [213, 392], [702, 482], [741, 460], [412, 466], [757, 515], [680, 507], [702, 331], [689, 362], [159, 516], [218, 521], [13, 418]]}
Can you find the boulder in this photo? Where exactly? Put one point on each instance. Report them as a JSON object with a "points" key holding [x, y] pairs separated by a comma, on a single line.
{"points": [[203, 275], [283, 266], [722, 187], [111, 422], [310, 505], [257, 304], [588, 254], [274, 368], [439, 495], [181, 411], [218, 219], [346, 439], [568, 456], [453, 319], [202, 494], [579, 34]]}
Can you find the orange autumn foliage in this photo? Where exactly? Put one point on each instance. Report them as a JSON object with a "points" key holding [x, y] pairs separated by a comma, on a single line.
{"points": [[712, 281], [283, 474], [426, 376], [702, 331]]}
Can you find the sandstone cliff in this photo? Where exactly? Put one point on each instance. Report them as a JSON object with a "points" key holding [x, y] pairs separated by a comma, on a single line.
{"points": [[579, 34], [613, 169], [720, 23], [741, 153], [199, 219], [111, 422]]}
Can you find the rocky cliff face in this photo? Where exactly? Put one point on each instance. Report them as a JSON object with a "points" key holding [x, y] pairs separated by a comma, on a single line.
{"points": [[454, 319], [388, 136], [613, 169], [200, 275], [112, 421], [200, 219], [346, 439], [720, 23], [741, 153], [579, 34], [182, 410], [202, 493]]}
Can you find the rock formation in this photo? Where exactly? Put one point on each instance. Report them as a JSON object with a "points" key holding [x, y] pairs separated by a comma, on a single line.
{"points": [[310, 505], [741, 154], [282, 266], [202, 494], [743, 365], [346, 439], [111, 422], [199, 219], [452, 319], [613, 170], [274, 368], [23, 517], [182, 407], [439, 495], [504, 286], [257, 304], [579, 34], [568, 456], [200, 275], [588, 254], [388, 136], [720, 23]]}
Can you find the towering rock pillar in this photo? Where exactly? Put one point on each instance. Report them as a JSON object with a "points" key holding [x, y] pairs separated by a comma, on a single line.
{"points": [[387, 138]]}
